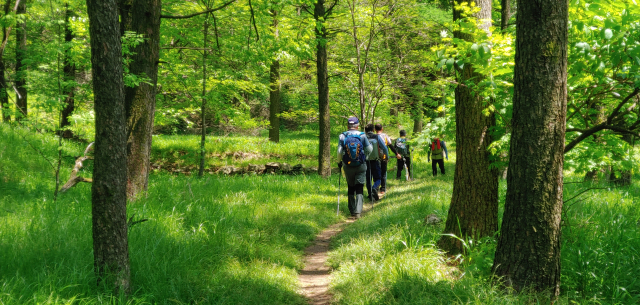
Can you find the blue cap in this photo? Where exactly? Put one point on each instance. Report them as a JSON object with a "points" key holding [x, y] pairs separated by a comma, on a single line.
{"points": [[353, 120]]}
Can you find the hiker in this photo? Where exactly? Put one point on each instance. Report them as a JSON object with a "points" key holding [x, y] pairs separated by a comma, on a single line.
{"points": [[378, 153], [384, 161], [353, 148], [404, 158], [435, 154]]}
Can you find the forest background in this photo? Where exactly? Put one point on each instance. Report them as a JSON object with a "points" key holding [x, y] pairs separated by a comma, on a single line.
{"points": [[392, 62]]}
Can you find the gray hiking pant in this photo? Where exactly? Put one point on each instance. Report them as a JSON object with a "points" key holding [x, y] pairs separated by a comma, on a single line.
{"points": [[356, 177]]}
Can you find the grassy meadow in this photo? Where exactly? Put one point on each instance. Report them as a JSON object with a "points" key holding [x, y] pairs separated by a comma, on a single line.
{"points": [[240, 239]]}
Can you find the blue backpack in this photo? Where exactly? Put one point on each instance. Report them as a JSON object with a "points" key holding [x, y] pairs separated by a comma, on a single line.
{"points": [[353, 149]]}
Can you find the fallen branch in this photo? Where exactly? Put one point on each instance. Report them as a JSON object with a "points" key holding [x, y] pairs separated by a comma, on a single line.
{"points": [[74, 178]]}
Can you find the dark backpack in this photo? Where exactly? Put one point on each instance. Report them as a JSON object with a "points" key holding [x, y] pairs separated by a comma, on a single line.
{"points": [[375, 153], [353, 149], [401, 146]]}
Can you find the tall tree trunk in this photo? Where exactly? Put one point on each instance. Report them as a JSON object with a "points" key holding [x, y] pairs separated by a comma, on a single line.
{"points": [[274, 91], [505, 14], [142, 17], [528, 251], [108, 190], [203, 108], [417, 114], [474, 205], [69, 87], [324, 154], [21, 53], [4, 97]]}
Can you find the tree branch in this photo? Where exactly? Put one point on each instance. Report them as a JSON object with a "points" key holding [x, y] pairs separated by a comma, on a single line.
{"points": [[199, 13], [253, 17]]}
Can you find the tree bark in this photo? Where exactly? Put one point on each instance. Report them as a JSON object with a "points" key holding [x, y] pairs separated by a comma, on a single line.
{"points": [[505, 14], [473, 212], [4, 97], [417, 114], [69, 69], [21, 53], [142, 17], [108, 191], [528, 251], [274, 91], [324, 151]]}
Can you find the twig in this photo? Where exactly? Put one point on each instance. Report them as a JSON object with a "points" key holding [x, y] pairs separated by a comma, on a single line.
{"points": [[591, 188], [253, 17]]}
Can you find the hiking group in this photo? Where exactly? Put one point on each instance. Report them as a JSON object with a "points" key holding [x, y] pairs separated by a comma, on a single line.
{"points": [[365, 156]]}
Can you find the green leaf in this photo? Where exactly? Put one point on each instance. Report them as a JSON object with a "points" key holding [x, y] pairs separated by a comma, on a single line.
{"points": [[450, 62]]}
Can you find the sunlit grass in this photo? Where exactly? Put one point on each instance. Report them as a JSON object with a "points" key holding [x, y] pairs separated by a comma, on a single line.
{"points": [[239, 240]]}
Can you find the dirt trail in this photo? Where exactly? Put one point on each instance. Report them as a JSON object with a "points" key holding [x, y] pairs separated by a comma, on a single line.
{"points": [[316, 275]]}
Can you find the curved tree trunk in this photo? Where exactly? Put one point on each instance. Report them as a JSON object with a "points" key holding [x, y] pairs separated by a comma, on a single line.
{"points": [[324, 151], [142, 17], [528, 251], [274, 91], [69, 76], [21, 53], [474, 206], [108, 191]]}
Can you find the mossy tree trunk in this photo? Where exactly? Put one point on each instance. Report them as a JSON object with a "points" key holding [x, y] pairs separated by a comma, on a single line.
{"points": [[528, 251], [142, 17], [473, 212], [108, 191]]}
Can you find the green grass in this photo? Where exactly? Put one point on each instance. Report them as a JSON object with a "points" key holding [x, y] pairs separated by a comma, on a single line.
{"points": [[239, 240], [173, 151], [235, 240]]}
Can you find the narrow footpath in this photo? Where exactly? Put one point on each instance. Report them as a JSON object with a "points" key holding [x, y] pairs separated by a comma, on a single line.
{"points": [[315, 277]]}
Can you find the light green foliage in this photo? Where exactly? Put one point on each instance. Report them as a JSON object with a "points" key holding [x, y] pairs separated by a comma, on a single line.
{"points": [[604, 68], [492, 56]]}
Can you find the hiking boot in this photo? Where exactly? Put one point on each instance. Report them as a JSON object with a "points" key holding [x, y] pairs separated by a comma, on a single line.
{"points": [[374, 193], [357, 216]]}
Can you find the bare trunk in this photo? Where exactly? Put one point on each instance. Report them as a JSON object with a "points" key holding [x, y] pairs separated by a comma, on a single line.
{"points": [[21, 70], [474, 205], [274, 92], [505, 14], [68, 90], [528, 251], [203, 134], [108, 191], [142, 17], [324, 154], [4, 98]]}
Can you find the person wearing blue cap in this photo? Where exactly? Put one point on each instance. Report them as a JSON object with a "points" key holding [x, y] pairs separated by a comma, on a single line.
{"points": [[353, 149]]}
